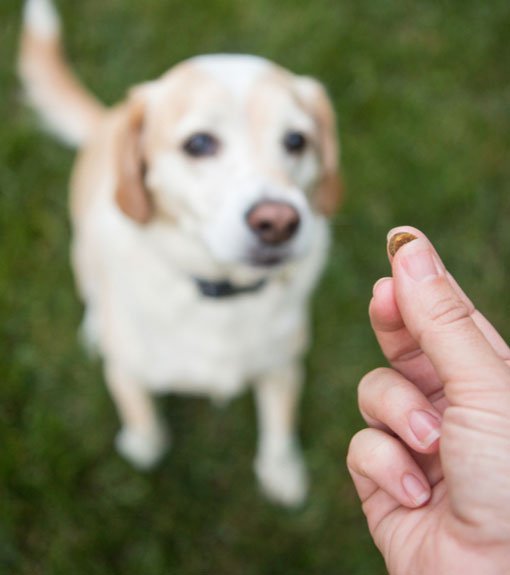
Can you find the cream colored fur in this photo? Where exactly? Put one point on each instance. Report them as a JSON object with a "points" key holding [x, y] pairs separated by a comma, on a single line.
{"points": [[147, 220]]}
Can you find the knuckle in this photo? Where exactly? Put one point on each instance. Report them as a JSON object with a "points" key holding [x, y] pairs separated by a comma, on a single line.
{"points": [[356, 449], [449, 311], [376, 386], [380, 453], [371, 377], [357, 439], [368, 450], [364, 388], [388, 397], [405, 353]]}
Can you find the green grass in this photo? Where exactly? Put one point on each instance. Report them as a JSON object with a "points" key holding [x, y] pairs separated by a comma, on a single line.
{"points": [[422, 91]]}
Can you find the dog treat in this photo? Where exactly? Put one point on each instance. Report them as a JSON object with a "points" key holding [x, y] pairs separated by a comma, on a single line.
{"points": [[398, 240]]}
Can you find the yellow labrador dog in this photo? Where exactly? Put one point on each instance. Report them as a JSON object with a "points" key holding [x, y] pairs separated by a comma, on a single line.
{"points": [[199, 211]]}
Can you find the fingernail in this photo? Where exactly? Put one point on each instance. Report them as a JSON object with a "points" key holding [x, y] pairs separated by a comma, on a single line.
{"points": [[419, 261], [425, 426], [415, 489]]}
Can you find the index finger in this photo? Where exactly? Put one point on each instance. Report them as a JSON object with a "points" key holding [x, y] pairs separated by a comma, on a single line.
{"points": [[443, 324], [400, 348]]}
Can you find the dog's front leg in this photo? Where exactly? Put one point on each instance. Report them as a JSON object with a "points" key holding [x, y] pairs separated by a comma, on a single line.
{"points": [[279, 464], [142, 439]]}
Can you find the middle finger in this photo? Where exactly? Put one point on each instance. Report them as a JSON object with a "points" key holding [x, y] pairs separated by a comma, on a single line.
{"points": [[387, 400]]}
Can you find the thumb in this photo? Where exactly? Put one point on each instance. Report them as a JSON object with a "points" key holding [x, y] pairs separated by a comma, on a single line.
{"points": [[440, 319]]}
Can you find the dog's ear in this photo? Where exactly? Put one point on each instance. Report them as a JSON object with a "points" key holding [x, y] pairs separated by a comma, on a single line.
{"points": [[131, 194], [316, 101]]}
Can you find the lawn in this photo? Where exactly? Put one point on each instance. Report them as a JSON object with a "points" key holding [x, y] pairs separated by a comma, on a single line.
{"points": [[422, 91]]}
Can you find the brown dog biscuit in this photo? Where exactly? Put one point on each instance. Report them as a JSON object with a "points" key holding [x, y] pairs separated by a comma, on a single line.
{"points": [[398, 240]]}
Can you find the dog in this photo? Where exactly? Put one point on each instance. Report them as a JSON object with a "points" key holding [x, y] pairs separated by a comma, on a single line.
{"points": [[199, 210]]}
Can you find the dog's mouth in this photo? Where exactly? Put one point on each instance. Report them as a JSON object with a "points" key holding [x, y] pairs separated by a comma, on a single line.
{"points": [[265, 257], [236, 244]]}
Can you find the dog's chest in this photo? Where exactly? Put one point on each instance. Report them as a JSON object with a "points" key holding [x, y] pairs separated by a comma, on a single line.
{"points": [[176, 339]]}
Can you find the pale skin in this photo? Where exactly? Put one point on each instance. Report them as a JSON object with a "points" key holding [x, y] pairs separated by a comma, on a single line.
{"points": [[433, 468]]}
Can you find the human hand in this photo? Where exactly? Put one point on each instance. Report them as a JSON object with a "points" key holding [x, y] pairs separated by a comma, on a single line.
{"points": [[433, 468]]}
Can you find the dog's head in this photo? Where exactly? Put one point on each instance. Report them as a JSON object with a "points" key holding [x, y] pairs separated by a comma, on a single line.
{"points": [[236, 151]]}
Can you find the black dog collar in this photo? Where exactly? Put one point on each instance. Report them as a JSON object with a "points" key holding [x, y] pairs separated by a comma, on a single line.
{"points": [[224, 289]]}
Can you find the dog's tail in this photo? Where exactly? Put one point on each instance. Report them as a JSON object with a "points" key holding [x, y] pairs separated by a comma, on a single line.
{"points": [[52, 89]]}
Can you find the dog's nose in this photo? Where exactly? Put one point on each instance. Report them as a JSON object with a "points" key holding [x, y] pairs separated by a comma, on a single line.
{"points": [[273, 222]]}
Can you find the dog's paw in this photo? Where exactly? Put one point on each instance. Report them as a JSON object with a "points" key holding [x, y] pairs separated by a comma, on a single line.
{"points": [[143, 450], [283, 478]]}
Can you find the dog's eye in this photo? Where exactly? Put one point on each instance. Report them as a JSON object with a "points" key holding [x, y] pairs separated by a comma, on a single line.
{"points": [[295, 142], [200, 145]]}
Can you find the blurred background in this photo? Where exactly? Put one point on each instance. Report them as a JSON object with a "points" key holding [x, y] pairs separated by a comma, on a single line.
{"points": [[422, 92]]}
